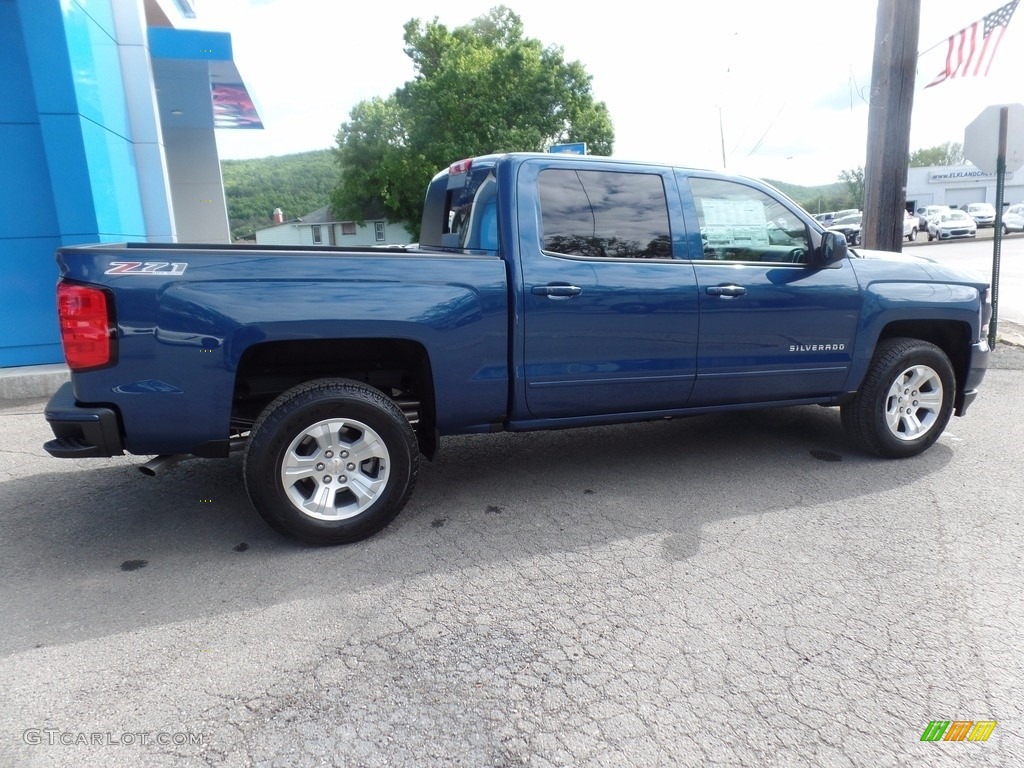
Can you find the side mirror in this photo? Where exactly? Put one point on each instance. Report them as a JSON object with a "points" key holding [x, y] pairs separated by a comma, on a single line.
{"points": [[833, 248]]}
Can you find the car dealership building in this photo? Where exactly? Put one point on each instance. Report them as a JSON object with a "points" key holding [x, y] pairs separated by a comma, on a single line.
{"points": [[107, 118], [958, 185]]}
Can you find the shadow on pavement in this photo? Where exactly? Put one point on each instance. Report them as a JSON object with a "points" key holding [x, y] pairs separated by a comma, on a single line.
{"points": [[89, 552]]}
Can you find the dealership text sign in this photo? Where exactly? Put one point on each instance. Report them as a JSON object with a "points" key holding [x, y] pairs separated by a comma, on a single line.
{"points": [[962, 174]]}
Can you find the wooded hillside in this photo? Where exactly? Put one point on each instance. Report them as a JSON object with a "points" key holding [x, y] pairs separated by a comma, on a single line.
{"points": [[297, 184], [819, 199]]}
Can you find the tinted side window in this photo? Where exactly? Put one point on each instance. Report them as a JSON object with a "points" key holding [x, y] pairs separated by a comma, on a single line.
{"points": [[740, 223], [604, 214]]}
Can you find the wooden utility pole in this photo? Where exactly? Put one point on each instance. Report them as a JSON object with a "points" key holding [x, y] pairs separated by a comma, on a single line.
{"points": [[892, 100]]}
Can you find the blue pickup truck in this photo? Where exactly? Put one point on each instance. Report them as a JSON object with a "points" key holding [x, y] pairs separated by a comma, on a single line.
{"points": [[546, 291]]}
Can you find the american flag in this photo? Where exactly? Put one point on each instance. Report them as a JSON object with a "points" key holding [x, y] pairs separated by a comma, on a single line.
{"points": [[966, 54]]}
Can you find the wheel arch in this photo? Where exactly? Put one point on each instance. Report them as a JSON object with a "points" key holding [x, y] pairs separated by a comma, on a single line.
{"points": [[400, 368], [951, 336]]}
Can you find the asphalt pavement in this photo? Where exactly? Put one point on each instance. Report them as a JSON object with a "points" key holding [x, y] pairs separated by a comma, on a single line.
{"points": [[735, 589]]}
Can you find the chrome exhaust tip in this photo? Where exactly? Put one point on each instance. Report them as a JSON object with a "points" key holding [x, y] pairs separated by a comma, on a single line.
{"points": [[159, 464]]}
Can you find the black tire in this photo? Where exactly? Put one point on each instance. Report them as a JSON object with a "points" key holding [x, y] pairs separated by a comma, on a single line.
{"points": [[353, 454], [912, 236], [880, 421], [930, 238]]}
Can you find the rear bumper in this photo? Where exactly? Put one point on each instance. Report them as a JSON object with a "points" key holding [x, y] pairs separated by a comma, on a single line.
{"points": [[976, 367], [81, 432]]}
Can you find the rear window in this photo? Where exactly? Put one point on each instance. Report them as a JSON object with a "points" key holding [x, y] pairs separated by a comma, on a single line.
{"points": [[461, 211]]}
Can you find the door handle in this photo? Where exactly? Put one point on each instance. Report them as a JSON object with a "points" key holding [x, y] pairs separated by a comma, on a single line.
{"points": [[556, 291], [725, 290]]}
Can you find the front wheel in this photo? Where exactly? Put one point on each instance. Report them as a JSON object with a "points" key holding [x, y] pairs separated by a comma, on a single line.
{"points": [[905, 401], [912, 236], [331, 461]]}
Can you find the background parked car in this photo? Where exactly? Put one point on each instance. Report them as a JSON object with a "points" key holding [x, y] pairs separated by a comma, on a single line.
{"points": [[1013, 219], [849, 226], [924, 214], [910, 226], [826, 219], [951, 224], [984, 214]]}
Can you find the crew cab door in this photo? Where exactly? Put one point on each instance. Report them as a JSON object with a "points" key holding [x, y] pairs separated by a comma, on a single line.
{"points": [[609, 317], [774, 325]]}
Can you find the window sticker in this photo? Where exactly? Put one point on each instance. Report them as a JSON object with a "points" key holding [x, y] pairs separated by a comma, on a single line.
{"points": [[737, 223]]}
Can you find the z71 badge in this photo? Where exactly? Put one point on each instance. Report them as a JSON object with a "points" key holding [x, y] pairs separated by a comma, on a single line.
{"points": [[164, 268]]}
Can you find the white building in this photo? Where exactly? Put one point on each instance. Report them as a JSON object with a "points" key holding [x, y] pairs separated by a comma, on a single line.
{"points": [[958, 185], [320, 228]]}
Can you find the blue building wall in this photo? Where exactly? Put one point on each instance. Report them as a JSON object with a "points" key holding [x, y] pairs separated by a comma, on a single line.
{"points": [[67, 171]]}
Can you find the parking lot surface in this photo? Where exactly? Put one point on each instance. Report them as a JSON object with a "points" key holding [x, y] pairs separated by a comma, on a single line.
{"points": [[740, 589]]}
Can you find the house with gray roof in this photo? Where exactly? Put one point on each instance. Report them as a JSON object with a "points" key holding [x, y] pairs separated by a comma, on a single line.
{"points": [[321, 228]]}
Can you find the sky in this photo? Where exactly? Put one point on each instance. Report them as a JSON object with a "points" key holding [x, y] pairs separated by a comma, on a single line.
{"points": [[781, 87]]}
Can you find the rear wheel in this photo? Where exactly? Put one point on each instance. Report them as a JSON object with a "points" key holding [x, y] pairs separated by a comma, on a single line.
{"points": [[905, 401], [912, 236], [331, 461]]}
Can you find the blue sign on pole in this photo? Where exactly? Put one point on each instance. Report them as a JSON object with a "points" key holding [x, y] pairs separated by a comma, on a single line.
{"points": [[578, 148]]}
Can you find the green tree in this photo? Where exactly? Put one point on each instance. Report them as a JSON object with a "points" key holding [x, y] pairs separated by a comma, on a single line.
{"points": [[950, 153], [853, 179], [478, 89]]}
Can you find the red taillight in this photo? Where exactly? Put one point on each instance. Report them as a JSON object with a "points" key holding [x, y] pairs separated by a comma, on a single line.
{"points": [[86, 323], [462, 166]]}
